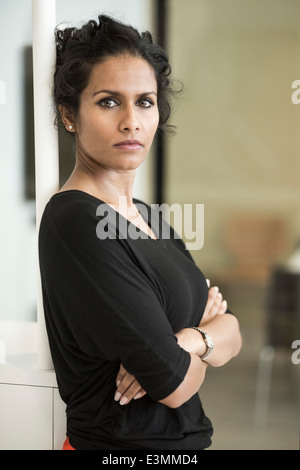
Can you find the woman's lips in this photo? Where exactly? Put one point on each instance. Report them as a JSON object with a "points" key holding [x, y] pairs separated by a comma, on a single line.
{"points": [[129, 145]]}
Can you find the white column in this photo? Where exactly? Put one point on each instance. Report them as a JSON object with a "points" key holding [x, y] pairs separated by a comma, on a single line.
{"points": [[46, 137]]}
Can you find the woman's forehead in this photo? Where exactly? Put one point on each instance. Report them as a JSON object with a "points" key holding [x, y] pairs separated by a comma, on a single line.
{"points": [[123, 74]]}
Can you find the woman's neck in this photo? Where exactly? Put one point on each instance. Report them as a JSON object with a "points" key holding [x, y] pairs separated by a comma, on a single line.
{"points": [[113, 187]]}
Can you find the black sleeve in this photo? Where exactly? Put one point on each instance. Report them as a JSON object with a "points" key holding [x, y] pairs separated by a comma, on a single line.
{"points": [[109, 306]]}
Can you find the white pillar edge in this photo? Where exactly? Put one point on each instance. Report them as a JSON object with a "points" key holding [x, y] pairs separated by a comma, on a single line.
{"points": [[45, 138]]}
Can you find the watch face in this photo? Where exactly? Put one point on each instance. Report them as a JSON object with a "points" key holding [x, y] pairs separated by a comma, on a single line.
{"points": [[210, 343]]}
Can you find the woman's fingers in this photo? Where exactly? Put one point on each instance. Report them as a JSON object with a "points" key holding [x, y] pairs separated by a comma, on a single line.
{"points": [[140, 394], [128, 387], [215, 305], [218, 298], [124, 395], [120, 375], [219, 305], [212, 298], [223, 308]]}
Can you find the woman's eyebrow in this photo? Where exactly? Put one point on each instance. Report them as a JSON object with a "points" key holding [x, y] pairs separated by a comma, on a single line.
{"points": [[118, 93]]}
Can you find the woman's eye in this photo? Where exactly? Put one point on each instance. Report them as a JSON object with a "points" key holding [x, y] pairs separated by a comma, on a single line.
{"points": [[108, 103], [146, 103]]}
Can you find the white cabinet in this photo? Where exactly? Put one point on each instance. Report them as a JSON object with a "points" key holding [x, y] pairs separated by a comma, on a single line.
{"points": [[59, 421], [32, 414], [26, 417]]}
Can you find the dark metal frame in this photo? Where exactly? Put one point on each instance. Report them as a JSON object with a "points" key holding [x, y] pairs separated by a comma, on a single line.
{"points": [[160, 146]]}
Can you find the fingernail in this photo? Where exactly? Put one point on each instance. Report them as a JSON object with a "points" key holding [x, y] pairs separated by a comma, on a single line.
{"points": [[123, 401], [117, 396], [208, 282], [225, 303], [138, 395], [216, 288], [118, 383]]}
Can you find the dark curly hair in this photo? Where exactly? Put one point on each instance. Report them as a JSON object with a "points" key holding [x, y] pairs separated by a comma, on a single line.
{"points": [[78, 50]]}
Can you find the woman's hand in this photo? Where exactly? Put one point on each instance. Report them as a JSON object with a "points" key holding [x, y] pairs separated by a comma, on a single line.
{"points": [[127, 387], [215, 305]]}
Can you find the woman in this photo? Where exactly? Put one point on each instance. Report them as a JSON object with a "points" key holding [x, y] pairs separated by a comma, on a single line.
{"points": [[130, 320]]}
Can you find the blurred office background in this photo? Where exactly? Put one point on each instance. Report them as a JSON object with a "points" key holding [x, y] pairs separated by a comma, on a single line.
{"points": [[236, 150]]}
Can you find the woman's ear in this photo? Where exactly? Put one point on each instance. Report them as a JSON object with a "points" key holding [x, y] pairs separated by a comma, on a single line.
{"points": [[67, 119]]}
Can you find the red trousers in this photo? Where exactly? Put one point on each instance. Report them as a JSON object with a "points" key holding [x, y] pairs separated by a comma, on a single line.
{"points": [[67, 445]]}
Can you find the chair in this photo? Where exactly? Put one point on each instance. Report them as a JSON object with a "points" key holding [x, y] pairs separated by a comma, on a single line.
{"points": [[253, 242], [282, 328]]}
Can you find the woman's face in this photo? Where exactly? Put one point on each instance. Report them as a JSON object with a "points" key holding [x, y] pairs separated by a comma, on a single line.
{"points": [[118, 114]]}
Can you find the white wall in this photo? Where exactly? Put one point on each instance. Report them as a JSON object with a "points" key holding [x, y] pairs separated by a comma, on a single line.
{"points": [[17, 224], [17, 233]]}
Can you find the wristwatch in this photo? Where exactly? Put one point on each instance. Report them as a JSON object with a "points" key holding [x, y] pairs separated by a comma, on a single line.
{"points": [[208, 341]]}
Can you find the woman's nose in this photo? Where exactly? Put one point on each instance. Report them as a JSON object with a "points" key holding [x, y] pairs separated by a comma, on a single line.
{"points": [[129, 120]]}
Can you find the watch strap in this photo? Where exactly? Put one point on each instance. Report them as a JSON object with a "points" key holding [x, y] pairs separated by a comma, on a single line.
{"points": [[208, 341]]}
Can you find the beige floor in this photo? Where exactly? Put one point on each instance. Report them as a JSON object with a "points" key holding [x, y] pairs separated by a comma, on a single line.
{"points": [[229, 395]]}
